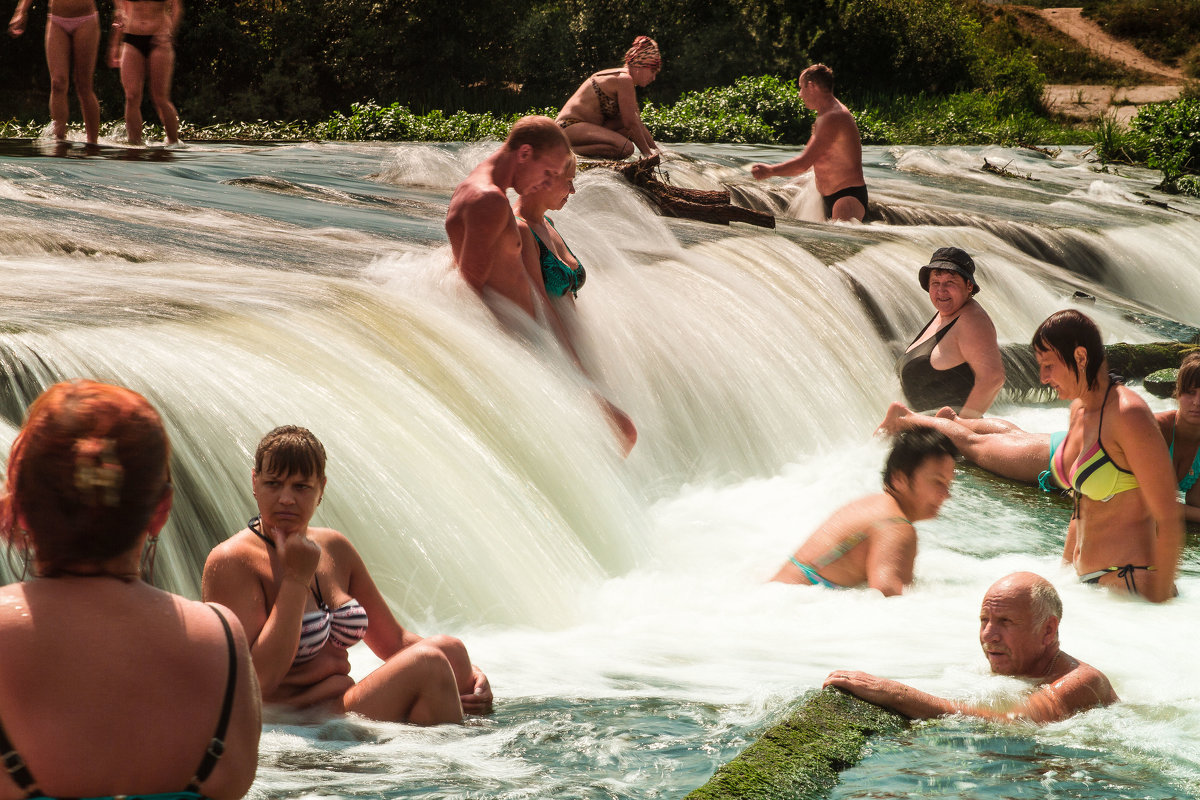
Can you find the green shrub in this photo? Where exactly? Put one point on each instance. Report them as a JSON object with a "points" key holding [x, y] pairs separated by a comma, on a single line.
{"points": [[1190, 64], [754, 110], [921, 45], [1170, 133]]}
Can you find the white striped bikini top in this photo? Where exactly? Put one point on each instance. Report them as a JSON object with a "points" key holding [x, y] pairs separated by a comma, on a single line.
{"points": [[345, 625]]}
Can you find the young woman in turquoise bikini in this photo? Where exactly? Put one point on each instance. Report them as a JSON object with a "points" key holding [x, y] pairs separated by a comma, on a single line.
{"points": [[557, 276], [872, 540], [1126, 532], [1181, 429]]}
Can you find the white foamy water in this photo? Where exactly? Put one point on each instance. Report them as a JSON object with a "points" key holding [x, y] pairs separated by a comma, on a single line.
{"points": [[618, 606]]}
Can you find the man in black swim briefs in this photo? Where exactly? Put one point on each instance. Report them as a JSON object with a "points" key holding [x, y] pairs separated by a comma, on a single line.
{"points": [[833, 152]]}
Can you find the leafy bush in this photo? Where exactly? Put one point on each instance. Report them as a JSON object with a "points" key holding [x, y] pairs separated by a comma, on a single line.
{"points": [[753, 110], [1170, 135], [921, 45]]}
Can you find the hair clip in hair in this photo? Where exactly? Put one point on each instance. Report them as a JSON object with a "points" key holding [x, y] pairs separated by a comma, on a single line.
{"points": [[98, 472]]}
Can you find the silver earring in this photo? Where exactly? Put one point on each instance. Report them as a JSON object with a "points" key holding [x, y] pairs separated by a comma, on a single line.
{"points": [[146, 568]]}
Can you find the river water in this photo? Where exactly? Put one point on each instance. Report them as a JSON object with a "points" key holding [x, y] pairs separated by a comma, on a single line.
{"points": [[618, 606]]}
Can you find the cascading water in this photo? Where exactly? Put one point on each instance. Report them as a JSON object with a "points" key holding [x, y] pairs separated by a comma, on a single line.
{"points": [[618, 606]]}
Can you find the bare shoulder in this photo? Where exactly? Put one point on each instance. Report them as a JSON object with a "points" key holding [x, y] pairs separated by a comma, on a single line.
{"points": [[873, 513], [1085, 687], [332, 540], [973, 315], [237, 548], [1133, 414], [1132, 402], [476, 194]]}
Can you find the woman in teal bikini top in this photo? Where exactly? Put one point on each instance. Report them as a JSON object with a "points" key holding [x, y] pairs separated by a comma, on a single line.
{"points": [[558, 276]]}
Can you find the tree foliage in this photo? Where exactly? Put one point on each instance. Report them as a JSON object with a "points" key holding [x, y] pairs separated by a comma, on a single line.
{"points": [[310, 59]]}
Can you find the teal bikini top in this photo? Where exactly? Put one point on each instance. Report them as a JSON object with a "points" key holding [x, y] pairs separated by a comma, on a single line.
{"points": [[1187, 481], [558, 277]]}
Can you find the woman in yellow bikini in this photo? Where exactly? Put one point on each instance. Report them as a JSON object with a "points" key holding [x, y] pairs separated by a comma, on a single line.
{"points": [[1126, 532], [602, 118]]}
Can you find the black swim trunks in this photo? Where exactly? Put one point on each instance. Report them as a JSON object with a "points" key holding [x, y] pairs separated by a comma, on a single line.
{"points": [[859, 193]]}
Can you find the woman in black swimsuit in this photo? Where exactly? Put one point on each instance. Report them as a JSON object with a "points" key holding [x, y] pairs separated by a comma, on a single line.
{"points": [[955, 359], [143, 46], [602, 118]]}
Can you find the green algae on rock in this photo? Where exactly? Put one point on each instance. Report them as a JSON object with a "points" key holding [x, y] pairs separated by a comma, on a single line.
{"points": [[802, 756]]}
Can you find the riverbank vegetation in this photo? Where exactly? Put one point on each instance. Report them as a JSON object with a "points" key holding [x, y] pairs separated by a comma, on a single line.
{"points": [[913, 71]]}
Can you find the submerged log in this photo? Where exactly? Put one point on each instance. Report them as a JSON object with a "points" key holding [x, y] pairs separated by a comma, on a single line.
{"points": [[673, 201], [1005, 172], [802, 756]]}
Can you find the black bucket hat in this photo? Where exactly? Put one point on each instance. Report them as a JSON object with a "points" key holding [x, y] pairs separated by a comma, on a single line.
{"points": [[951, 259]]}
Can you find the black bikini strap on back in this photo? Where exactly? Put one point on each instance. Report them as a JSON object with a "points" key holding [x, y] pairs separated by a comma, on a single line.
{"points": [[216, 747], [14, 765]]}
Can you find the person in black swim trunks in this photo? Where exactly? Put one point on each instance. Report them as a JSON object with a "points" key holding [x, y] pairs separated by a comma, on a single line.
{"points": [[148, 28], [833, 152], [955, 359], [602, 119]]}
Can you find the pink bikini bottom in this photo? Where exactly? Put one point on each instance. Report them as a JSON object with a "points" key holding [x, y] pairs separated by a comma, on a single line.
{"points": [[71, 24]]}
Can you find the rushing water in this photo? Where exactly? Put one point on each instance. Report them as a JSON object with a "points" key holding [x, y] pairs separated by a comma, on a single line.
{"points": [[618, 606]]}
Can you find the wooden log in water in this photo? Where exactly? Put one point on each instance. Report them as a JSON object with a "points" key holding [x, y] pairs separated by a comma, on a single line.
{"points": [[674, 201], [802, 756]]}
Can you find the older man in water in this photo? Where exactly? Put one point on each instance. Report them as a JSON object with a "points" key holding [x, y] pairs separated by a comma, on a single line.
{"points": [[1018, 630], [480, 223], [833, 152]]}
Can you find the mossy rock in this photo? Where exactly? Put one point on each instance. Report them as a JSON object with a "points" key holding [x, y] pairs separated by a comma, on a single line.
{"points": [[1139, 360], [802, 756], [1130, 361], [1162, 382]]}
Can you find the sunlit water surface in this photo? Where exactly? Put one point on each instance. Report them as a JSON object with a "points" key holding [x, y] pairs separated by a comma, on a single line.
{"points": [[619, 607]]}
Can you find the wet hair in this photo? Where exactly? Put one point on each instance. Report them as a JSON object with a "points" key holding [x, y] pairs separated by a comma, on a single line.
{"points": [[1189, 374], [819, 74], [291, 450], [540, 133], [86, 473], [912, 448], [1044, 602], [1062, 332]]}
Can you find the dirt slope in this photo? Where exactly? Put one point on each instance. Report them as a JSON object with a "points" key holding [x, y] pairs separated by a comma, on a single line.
{"points": [[1087, 101]]}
